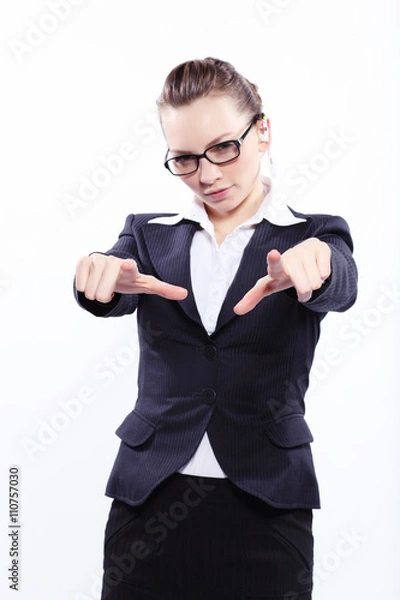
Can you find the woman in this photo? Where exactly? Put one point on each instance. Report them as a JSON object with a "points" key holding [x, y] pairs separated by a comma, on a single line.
{"points": [[214, 483]]}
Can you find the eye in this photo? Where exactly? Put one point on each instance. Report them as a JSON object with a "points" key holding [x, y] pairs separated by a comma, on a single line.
{"points": [[223, 147], [181, 161]]}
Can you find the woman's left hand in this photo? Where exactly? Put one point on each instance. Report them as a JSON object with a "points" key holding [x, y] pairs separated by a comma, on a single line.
{"points": [[304, 267]]}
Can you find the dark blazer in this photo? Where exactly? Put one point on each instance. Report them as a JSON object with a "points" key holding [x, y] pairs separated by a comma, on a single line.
{"points": [[244, 384]]}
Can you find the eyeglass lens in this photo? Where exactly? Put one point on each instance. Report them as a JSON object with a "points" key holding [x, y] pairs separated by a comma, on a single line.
{"points": [[218, 154]]}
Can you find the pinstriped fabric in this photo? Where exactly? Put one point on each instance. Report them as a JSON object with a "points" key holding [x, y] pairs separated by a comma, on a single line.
{"points": [[245, 384], [203, 539]]}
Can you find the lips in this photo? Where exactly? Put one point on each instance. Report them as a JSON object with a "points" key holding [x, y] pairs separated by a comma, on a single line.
{"points": [[218, 194]]}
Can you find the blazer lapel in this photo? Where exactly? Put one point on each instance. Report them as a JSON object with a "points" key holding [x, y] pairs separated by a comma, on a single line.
{"points": [[252, 267], [169, 250]]}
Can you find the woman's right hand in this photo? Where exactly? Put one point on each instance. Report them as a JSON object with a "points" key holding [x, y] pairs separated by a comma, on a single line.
{"points": [[99, 276]]}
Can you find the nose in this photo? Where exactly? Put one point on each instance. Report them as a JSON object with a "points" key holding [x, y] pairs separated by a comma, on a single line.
{"points": [[208, 172]]}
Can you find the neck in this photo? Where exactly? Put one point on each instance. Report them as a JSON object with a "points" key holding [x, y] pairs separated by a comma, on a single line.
{"points": [[226, 222]]}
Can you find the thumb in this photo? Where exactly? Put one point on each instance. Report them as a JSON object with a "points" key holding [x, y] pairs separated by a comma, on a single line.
{"points": [[129, 265], [275, 265]]}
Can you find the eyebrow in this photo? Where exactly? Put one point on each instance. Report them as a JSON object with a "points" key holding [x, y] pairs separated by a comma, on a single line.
{"points": [[220, 138]]}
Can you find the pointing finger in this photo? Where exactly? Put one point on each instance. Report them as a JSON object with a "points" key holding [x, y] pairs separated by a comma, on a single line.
{"points": [[252, 297], [161, 288]]}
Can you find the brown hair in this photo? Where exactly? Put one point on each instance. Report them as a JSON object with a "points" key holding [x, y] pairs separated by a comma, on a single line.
{"points": [[196, 79]]}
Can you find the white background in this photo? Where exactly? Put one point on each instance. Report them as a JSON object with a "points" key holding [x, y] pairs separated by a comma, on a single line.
{"points": [[74, 94]]}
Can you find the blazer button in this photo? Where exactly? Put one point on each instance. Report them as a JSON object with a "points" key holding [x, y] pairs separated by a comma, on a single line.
{"points": [[210, 352], [208, 396]]}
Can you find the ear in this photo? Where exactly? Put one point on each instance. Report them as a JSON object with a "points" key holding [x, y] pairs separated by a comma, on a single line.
{"points": [[264, 132]]}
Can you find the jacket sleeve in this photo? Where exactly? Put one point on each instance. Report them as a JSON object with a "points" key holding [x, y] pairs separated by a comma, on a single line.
{"points": [[339, 292], [121, 304]]}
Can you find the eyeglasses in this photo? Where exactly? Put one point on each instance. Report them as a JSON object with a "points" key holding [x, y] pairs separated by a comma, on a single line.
{"points": [[219, 154]]}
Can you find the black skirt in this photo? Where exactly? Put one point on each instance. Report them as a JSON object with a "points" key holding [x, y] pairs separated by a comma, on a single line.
{"points": [[198, 538]]}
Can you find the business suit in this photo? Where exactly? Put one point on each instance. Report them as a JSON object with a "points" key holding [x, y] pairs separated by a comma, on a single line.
{"points": [[244, 384]]}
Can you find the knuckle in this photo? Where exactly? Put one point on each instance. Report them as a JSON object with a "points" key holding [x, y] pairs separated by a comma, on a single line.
{"points": [[89, 295], [113, 260], [260, 284], [303, 290], [326, 270], [82, 261], [104, 298], [96, 257]]}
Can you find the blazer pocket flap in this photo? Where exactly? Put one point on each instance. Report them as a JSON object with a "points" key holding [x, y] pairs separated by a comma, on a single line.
{"points": [[290, 432], [136, 429]]}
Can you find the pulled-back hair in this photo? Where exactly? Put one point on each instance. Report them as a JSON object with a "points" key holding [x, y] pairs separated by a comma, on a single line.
{"points": [[196, 79]]}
